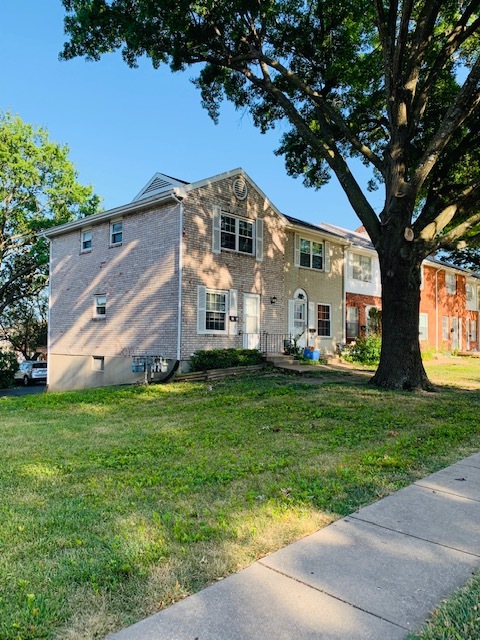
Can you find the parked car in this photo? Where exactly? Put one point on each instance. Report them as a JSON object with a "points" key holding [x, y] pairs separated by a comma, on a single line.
{"points": [[30, 372]]}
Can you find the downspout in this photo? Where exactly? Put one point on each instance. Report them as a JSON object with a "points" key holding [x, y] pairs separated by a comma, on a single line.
{"points": [[436, 310], [344, 297], [49, 324], [346, 247], [180, 278]]}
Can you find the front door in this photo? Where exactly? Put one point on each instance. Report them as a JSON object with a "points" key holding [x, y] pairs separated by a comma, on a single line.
{"points": [[455, 334], [297, 321], [251, 321]]}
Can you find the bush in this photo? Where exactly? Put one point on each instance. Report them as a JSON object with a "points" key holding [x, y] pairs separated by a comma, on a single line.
{"points": [[364, 350], [8, 367], [223, 358]]}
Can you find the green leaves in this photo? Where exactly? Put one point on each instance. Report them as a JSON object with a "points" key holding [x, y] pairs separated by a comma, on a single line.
{"points": [[38, 190]]}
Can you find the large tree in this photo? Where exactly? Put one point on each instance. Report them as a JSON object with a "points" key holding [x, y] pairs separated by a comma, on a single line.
{"points": [[393, 82], [38, 189]]}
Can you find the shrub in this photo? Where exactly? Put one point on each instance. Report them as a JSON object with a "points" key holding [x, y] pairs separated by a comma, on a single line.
{"points": [[223, 358], [364, 350], [8, 367]]}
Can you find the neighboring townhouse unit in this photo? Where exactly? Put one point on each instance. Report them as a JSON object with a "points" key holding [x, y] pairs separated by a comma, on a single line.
{"points": [[449, 310], [181, 268], [363, 287], [314, 288]]}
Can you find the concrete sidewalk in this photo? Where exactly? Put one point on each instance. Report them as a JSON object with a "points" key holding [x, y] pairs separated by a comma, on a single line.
{"points": [[376, 574]]}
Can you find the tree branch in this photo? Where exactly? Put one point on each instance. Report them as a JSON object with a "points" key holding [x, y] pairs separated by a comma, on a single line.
{"points": [[466, 102]]}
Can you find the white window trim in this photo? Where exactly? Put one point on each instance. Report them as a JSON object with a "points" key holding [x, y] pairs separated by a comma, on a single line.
{"points": [[202, 311], [96, 305], [325, 253], [112, 223], [257, 234], [354, 255], [238, 219], [451, 279], [324, 304], [82, 235]]}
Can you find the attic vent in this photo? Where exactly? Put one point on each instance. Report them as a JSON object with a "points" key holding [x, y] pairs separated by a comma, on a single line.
{"points": [[240, 189], [158, 183]]}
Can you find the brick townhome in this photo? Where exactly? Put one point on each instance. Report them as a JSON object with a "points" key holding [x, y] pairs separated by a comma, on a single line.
{"points": [[449, 310], [211, 264], [214, 264]]}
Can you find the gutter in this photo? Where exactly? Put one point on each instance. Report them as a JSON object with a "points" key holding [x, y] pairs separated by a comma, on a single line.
{"points": [[111, 214], [180, 279]]}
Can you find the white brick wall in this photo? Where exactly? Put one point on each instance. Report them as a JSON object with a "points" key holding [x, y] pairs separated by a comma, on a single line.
{"points": [[139, 278], [229, 270]]}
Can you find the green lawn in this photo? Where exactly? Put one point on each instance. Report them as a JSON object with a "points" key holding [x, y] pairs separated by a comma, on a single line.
{"points": [[117, 502]]}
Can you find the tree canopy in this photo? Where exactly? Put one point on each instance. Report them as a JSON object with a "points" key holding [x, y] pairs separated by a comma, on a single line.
{"points": [[38, 190], [395, 83]]}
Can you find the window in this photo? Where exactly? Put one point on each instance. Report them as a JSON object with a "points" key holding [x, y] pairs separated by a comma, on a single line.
{"points": [[451, 283], [236, 234], [87, 239], [311, 254], [116, 232], [423, 326], [98, 363], [324, 321], [216, 311], [469, 292], [100, 309], [353, 316], [445, 328], [361, 267]]}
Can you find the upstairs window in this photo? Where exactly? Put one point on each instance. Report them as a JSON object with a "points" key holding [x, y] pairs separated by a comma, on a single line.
{"points": [[311, 254], [236, 234], [100, 308], [469, 292], [451, 283], [87, 237], [116, 232], [361, 267]]}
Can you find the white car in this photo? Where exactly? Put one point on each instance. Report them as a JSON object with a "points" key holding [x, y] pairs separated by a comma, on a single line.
{"points": [[31, 371]]}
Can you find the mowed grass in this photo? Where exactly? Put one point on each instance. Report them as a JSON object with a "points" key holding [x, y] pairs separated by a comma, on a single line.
{"points": [[114, 503]]}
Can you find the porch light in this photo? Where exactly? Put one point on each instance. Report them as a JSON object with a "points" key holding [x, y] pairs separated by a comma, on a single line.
{"points": [[273, 299]]}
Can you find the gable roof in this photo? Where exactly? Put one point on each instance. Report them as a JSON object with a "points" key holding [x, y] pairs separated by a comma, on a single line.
{"points": [[182, 191], [158, 184], [159, 189]]}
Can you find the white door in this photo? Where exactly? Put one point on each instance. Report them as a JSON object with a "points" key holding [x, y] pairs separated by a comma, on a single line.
{"points": [[297, 322], [251, 321], [455, 334]]}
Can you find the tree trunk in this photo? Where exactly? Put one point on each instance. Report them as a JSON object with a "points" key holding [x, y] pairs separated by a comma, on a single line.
{"points": [[401, 365]]}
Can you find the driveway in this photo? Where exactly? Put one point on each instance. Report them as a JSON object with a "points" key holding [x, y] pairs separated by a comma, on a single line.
{"points": [[22, 391]]}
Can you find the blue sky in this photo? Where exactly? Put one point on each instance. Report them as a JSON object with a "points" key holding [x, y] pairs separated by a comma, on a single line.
{"points": [[123, 125]]}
